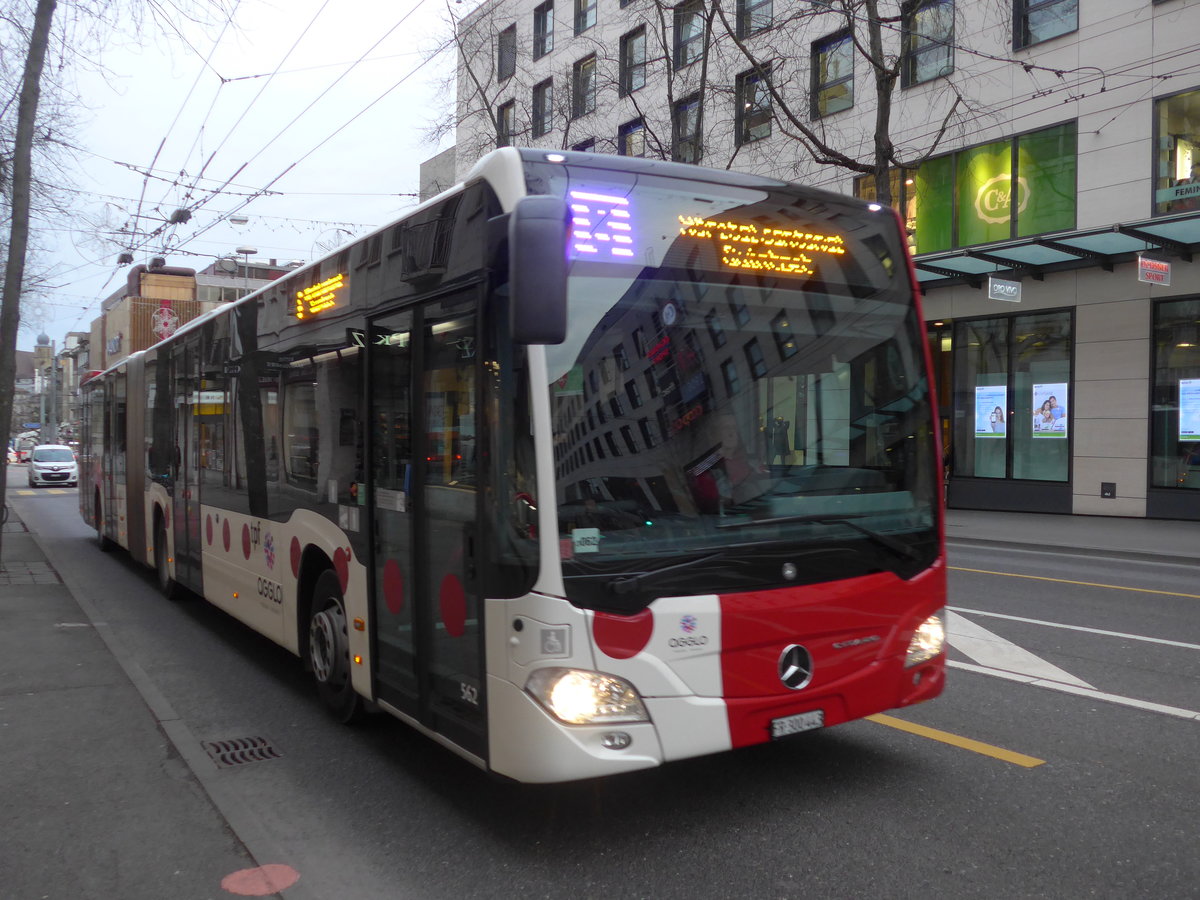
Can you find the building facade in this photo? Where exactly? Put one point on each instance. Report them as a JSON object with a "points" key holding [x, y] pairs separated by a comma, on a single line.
{"points": [[1044, 155], [157, 299]]}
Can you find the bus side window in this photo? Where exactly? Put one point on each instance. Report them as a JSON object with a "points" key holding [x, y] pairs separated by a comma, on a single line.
{"points": [[301, 433]]}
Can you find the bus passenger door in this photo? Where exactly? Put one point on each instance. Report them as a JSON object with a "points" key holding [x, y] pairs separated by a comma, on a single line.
{"points": [[390, 368], [184, 469], [104, 442], [428, 606]]}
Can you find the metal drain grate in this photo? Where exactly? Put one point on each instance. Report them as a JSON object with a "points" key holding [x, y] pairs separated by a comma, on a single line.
{"points": [[239, 751]]}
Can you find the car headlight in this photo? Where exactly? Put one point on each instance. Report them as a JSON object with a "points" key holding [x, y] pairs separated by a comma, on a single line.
{"points": [[579, 697], [927, 641]]}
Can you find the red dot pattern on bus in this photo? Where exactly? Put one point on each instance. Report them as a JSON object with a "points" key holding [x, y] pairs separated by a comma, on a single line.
{"points": [[246, 541], [295, 549], [393, 587], [225, 535], [453, 601], [341, 565], [622, 637]]}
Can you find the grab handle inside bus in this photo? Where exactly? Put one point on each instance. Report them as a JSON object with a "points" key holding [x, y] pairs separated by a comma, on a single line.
{"points": [[537, 271]]}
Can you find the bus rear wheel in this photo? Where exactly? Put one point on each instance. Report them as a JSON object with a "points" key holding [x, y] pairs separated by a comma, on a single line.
{"points": [[329, 649]]}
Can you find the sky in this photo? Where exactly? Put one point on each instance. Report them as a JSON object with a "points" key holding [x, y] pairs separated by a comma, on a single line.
{"points": [[309, 118]]}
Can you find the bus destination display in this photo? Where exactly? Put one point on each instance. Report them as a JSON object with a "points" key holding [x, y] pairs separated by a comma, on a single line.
{"points": [[748, 246]]}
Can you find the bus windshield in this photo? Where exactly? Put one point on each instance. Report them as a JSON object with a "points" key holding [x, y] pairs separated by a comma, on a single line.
{"points": [[742, 402]]}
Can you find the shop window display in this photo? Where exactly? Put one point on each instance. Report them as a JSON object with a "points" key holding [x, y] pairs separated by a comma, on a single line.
{"points": [[1012, 397], [1177, 167], [1175, 414], [1017, 187]]}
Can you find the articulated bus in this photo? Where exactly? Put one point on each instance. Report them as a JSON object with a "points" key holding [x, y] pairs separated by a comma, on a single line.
{"points": [[585, 465]]}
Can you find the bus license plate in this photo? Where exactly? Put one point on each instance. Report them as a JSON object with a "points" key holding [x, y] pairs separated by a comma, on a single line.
{"points": [[806, 721]]}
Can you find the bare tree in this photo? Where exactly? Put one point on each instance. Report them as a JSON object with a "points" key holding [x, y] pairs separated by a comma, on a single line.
{"points": [[20, 192], [876, 33], [34, 127], [756, 57]]}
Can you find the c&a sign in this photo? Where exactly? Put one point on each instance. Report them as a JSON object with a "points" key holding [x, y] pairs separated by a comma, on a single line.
{"points": [[994, 199]]}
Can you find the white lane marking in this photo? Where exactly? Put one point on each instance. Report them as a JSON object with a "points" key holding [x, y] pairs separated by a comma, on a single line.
{"points": [[1117, 634], [994, 652], [1079, 691]]}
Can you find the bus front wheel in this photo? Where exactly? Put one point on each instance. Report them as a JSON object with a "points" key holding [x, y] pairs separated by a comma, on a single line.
{"points": [[166, 584], [329, 649], [106, 543]]}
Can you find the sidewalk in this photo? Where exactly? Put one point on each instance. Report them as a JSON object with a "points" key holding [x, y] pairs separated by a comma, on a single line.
{"points": [[97, 802], [1165, 539]]}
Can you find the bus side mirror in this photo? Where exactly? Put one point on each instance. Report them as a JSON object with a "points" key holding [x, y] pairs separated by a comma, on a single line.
{"points": [[537, 270]]}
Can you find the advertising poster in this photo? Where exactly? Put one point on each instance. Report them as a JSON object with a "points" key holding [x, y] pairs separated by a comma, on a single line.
{"points": [[991, 401], [1050, 410], [1189, 409]]}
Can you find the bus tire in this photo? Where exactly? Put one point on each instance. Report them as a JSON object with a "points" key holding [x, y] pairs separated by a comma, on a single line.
{"points": [[106, 544], [162, 569], [329, 650]]}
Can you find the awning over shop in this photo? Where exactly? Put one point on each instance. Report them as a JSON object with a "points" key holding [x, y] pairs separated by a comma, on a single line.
{"points": [[1167, 236]]}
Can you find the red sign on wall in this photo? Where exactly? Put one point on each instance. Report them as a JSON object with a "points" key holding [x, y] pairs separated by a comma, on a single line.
{"points": [[1154, 271]]}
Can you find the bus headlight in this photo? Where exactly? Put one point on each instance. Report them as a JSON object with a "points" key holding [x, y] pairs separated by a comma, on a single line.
{"points": [[927, 641], [578, 697]]}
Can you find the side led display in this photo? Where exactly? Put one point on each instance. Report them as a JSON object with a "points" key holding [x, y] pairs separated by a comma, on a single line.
{"points": [[320, 298]]}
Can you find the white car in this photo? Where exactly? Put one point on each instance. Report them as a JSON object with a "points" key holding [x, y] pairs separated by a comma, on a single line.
{"points": [[53, 464]]}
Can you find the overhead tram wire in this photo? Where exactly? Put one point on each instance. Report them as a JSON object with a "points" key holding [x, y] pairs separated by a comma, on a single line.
{"points": [[319, 145], [256, 97], [212, 193], [334, 83], [183, 105]]}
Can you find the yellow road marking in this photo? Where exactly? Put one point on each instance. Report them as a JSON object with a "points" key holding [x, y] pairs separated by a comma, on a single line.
{"points": [[28, 493], [1111, 587], [1011, 756]]}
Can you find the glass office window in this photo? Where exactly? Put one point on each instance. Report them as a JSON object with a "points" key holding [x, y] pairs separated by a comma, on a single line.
{"points": [[832, 75], [928, 41], [1040, 20], [543, 29]]}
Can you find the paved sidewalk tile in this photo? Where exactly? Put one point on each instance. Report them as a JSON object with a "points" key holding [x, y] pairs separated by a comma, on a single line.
{"points": [[15, 572]]}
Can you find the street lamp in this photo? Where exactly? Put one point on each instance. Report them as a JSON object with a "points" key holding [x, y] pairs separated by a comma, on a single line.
{"points": [[245, 252]]}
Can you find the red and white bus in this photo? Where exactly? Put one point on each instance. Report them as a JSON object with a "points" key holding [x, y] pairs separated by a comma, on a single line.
{"points": [[587, 464]]}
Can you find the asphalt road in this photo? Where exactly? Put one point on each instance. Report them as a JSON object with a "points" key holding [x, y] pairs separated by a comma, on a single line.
{"points": [[1061, 762]]}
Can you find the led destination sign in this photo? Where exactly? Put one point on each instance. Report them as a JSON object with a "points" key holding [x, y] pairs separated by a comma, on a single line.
{"points": [[748, 246], [321, 297]]}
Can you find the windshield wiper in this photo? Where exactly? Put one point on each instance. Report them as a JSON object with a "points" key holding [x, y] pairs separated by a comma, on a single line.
{"points": [[629, 583], [879, 538]]}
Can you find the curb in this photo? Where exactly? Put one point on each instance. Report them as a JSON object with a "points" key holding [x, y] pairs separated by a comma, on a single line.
{"points": [[1099, 552]]}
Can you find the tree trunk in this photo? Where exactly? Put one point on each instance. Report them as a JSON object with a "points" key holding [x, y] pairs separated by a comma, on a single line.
{"points": [[18, 242], [885, 85]]}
